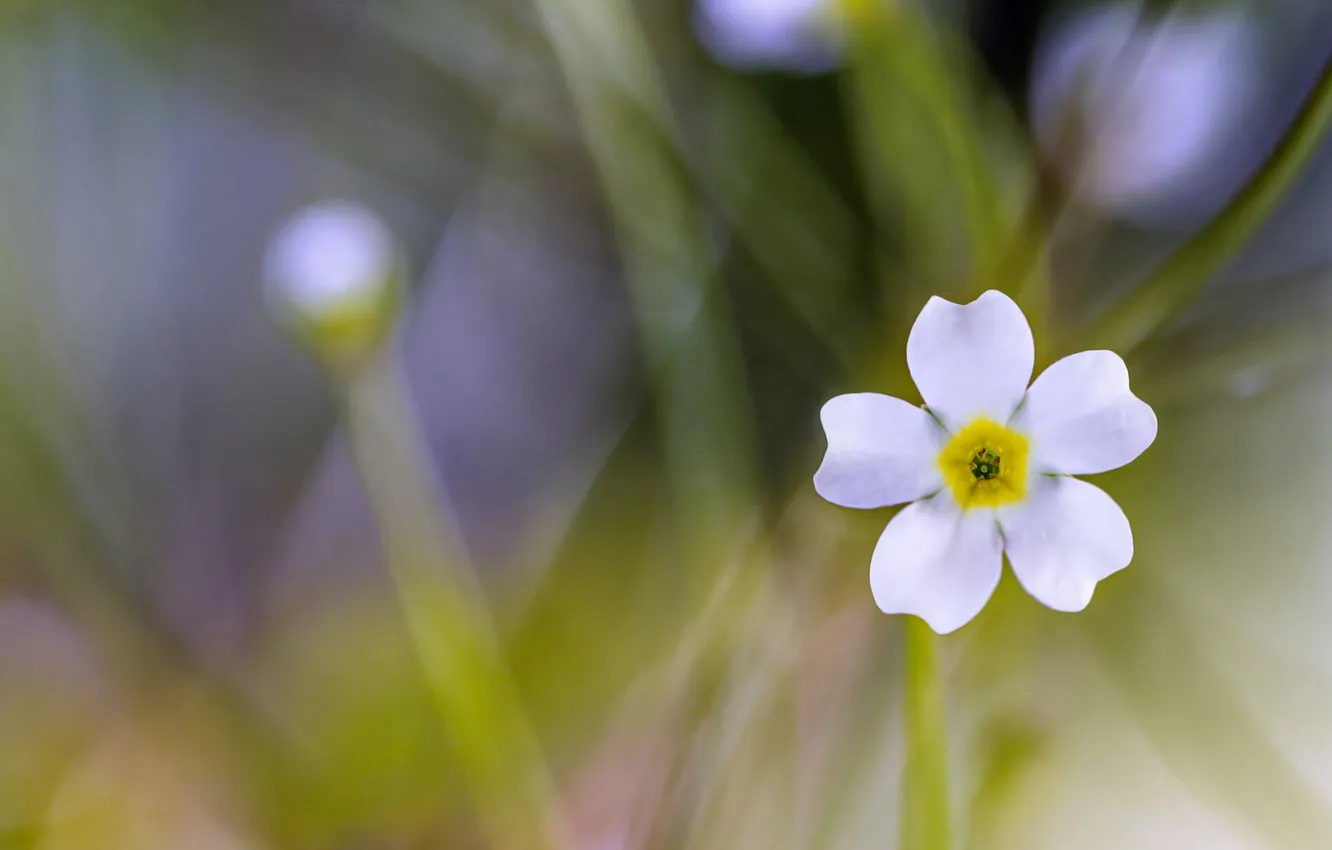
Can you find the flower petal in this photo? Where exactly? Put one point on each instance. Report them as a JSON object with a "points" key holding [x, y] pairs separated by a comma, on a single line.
{"points": [[971, 359], [1067, 536], [937, 562], [881, 451], [1082, 418]]}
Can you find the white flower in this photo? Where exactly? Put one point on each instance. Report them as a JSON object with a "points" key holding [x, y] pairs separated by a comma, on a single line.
{"points": [[799, 35], [329, 256], [986, 465], [1157, 106], [332, 273]]}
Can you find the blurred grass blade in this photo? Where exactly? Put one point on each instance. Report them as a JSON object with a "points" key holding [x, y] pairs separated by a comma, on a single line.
{"points": [[1203, 730], [915, 134], [1180, 279], [782, 208], [684, 323], [860, 745], [497, 752]]}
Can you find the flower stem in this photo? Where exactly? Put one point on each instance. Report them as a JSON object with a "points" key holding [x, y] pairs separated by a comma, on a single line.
{"points": [[447, 617], [1179, 280], [925, 818]]}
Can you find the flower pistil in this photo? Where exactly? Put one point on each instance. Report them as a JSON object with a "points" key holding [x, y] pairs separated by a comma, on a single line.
{"points": [[985, 465]]}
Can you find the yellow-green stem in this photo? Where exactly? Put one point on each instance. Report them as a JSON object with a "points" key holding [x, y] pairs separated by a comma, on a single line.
{"points": [[925, 819], [497, 754]]}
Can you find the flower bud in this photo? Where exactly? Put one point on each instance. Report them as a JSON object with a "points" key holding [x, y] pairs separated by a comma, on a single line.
{"points": [[333, 277]]}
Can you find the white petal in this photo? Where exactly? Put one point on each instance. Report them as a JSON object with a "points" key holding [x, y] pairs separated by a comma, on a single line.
{"points": [[937, 563], [881, 451], [1065, 538], [971, 359], [1082, 418]]}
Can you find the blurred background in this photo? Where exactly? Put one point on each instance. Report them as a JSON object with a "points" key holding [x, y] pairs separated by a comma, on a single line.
{"points": [[547, 569]]}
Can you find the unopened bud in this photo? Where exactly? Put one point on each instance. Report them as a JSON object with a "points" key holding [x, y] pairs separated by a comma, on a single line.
{"points": [[333, 275]]}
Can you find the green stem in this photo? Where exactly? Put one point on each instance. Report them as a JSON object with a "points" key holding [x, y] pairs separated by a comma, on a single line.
{"points": [[925, 819], [1179, 280], [448, 619]]}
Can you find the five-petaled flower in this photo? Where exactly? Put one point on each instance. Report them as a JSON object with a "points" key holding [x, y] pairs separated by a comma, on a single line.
{"points": [[986, 466]]}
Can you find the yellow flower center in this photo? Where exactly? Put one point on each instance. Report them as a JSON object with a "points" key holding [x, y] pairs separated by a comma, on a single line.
{"points": [[985, 465]]}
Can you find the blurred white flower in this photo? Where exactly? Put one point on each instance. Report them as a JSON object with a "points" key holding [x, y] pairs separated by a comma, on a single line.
{"points": [[327, 255], [331, 271], [986, 465], [797, 35], [1139, 112]]}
